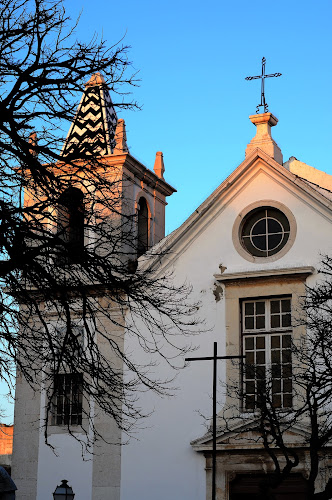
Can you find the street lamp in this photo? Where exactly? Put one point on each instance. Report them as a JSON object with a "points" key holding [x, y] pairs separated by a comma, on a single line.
{"points": [[63, 492]]}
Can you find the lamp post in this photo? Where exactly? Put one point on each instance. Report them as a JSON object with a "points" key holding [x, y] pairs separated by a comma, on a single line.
{"points": [[63, 492]]}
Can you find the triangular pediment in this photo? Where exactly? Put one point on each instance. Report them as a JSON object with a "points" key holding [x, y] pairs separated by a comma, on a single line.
{"points": [[258, 163], [246, 435]]}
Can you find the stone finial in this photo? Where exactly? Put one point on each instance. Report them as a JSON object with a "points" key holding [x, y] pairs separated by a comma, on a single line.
{"points": [[33, 143], [263, 138], [96, 79], [120, 138], [159, 167]]}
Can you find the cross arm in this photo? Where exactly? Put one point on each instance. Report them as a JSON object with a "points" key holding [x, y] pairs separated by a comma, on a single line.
{"points": [[209, 358], [272, 75]]}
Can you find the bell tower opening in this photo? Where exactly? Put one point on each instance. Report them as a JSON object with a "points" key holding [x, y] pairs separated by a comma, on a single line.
{"points": [[142, 227], [70, 225]]}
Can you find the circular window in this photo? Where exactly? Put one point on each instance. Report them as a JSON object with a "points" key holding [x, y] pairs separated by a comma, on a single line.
{"points": [[265, 231]]}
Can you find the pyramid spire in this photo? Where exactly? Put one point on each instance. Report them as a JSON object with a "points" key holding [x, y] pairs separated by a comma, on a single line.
{"points": [[93, 128]]}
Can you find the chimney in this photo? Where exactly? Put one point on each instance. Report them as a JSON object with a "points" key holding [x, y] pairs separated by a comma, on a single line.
{"points": [[120, 138], [263, 138], [159, 167]]}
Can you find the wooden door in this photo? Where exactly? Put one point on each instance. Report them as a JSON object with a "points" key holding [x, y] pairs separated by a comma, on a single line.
{"points": [[247, 487]]}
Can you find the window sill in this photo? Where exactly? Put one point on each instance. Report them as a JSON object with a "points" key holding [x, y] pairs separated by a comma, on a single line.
{"points": [[64, 429]]}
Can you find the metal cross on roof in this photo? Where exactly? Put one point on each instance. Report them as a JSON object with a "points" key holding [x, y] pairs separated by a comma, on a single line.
{"points": [[262, 77]]}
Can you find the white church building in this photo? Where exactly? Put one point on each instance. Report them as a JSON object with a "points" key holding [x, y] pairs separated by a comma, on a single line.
{"points": [[248, 251]]}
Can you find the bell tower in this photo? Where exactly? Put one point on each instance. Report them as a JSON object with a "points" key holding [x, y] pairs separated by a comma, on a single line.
{"points": [[96, 125], [140, 198]]}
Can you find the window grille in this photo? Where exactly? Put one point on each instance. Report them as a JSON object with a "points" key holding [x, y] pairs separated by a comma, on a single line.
{"points": [[265, 231], [67, 399]]}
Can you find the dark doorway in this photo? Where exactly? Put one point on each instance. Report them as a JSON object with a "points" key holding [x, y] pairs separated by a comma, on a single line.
{"points": [[248, 487]]}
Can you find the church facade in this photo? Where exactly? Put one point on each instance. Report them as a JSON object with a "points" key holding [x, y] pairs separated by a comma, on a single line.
{"points": [[248, 252]]}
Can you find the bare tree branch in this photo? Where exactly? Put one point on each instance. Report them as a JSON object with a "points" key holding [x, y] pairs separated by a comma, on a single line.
{"points": [[51, 283]]}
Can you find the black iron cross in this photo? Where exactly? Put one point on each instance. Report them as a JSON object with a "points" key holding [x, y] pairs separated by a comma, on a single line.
{"points": [[215, 357], [262, 77]]}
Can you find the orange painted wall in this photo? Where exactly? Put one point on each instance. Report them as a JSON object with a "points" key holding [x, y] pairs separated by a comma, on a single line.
{"points": [[6, 439]]}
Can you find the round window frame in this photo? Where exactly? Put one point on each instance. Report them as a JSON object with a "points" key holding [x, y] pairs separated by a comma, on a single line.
{"points": [[240, 220]]}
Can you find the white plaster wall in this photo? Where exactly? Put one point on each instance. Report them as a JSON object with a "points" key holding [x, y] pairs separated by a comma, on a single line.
{"points": [[159, 463], [65, 462], [214, 238], [65, 458]]}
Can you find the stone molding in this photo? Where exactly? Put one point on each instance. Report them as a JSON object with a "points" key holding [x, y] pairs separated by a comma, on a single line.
{"points": [[300, 272]]}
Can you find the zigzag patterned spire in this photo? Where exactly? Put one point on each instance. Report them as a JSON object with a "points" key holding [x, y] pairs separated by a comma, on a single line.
{"points": [[93, 129]]}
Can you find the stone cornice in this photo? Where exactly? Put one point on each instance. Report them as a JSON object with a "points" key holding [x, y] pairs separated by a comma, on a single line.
{"points": [[140, 172], [291, 272], [247, 437], [123, 160]]}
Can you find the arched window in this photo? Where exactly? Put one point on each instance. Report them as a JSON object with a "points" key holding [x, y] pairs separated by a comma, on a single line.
{"points": [[142, 227], [70, 224]]}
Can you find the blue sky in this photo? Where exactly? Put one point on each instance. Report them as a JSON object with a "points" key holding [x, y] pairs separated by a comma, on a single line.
{"points": [[193, 57]]}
